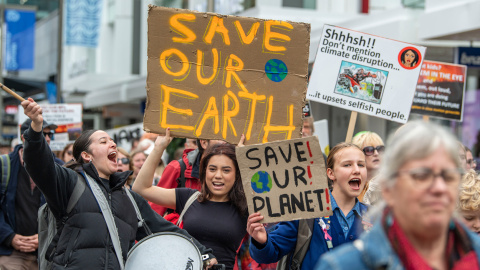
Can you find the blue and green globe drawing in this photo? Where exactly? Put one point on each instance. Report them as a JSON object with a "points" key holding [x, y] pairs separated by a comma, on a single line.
{"points": [[261, 182], [276, 70]]}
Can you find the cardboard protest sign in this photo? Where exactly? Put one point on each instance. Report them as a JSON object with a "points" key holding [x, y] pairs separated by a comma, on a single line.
{"points": [[440, 90], [285, 180], [365, 73], [68, 118], [217, 77]]}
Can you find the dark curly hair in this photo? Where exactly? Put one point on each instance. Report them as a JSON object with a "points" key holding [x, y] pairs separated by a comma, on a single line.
{"points": [[236, 194]]}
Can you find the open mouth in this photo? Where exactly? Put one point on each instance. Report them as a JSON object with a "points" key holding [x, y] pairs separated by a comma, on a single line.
{"points": [[355, 183], [217, 185], [113, 156]]}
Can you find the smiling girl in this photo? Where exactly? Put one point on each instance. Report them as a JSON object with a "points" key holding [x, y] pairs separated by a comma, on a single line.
{"points": [[219, 216], [346, 168]]}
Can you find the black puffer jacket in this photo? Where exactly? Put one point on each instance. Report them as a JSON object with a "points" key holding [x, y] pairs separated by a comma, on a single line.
{"points": [[84, 242]]}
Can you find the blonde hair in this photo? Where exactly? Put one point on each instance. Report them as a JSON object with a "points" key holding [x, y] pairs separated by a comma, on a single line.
{"points": [[469, 197], [367, 138]]}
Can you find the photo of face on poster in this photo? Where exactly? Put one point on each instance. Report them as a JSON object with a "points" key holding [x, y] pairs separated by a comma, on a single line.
{"points": [[361, 82], [409, 58]]}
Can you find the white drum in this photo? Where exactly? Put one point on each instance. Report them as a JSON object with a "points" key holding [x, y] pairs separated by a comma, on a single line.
{"points": [[165, 250]]}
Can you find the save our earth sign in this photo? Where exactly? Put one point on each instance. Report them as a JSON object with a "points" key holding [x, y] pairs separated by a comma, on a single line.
{"points": [[212, 76], [285, 180]]}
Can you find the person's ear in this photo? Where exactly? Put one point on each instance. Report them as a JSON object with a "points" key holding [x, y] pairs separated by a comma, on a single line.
{"points": [[86, 156], [204, 144], [331, 174], [387, 194]]}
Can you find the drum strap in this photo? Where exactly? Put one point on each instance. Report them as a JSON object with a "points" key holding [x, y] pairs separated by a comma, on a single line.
{"points": [[187, 205], [108, 216], [141, 221]]}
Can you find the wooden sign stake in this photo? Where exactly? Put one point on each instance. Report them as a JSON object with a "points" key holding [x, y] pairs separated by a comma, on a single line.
{"points": [[351, 126], [11, 92]]}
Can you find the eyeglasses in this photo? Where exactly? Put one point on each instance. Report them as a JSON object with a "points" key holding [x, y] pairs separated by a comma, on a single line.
{"points": [[70, 152], [425, 177], [472, 163], [370, 150], [50, 134], [124, 160]]}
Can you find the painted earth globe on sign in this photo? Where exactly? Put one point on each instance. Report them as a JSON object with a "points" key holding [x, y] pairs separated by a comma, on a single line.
{"points": [[261, 182], [276, 70]]}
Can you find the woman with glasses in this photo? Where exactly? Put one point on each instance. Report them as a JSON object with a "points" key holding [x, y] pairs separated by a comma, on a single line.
{"points": [[372, 146], [124, 163], [420, 178]]}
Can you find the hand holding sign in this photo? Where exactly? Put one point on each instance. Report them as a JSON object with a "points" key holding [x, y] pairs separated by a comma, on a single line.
{"points": [[162, 142], [256, 229]]}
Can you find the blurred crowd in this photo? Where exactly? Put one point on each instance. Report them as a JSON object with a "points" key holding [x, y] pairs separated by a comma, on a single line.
{"points": [[411, 202]]}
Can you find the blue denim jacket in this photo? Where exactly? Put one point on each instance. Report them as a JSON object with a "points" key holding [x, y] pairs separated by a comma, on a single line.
{"points": [[282, 240], [371, 251]]}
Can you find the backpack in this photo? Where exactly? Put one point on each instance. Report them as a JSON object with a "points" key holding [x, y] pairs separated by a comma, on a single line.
{"points": [[294, 259], [181, 179], [49, 231], [5, 165], [47, 226]]}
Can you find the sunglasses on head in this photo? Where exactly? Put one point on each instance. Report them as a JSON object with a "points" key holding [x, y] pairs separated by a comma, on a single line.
{"points": [[50, 134], [124, 160], [370, 150]]}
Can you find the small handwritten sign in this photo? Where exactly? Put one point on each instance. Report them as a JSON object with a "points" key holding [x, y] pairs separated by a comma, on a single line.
{"points": [[285, 180]]}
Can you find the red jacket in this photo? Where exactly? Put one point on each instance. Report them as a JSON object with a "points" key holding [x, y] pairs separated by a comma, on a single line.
{"points": [[172, 173]]}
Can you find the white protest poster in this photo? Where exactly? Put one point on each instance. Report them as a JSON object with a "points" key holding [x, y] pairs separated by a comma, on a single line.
{"points": [[124, 136], [285, 180], [68, 118], [365, 73]]}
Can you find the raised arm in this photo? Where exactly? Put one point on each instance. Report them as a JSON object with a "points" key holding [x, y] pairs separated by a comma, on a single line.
{"points": [[55, 182], [143, 182]]}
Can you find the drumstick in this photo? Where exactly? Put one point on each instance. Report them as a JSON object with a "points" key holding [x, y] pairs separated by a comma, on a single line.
{"points": [[11, 92]]}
